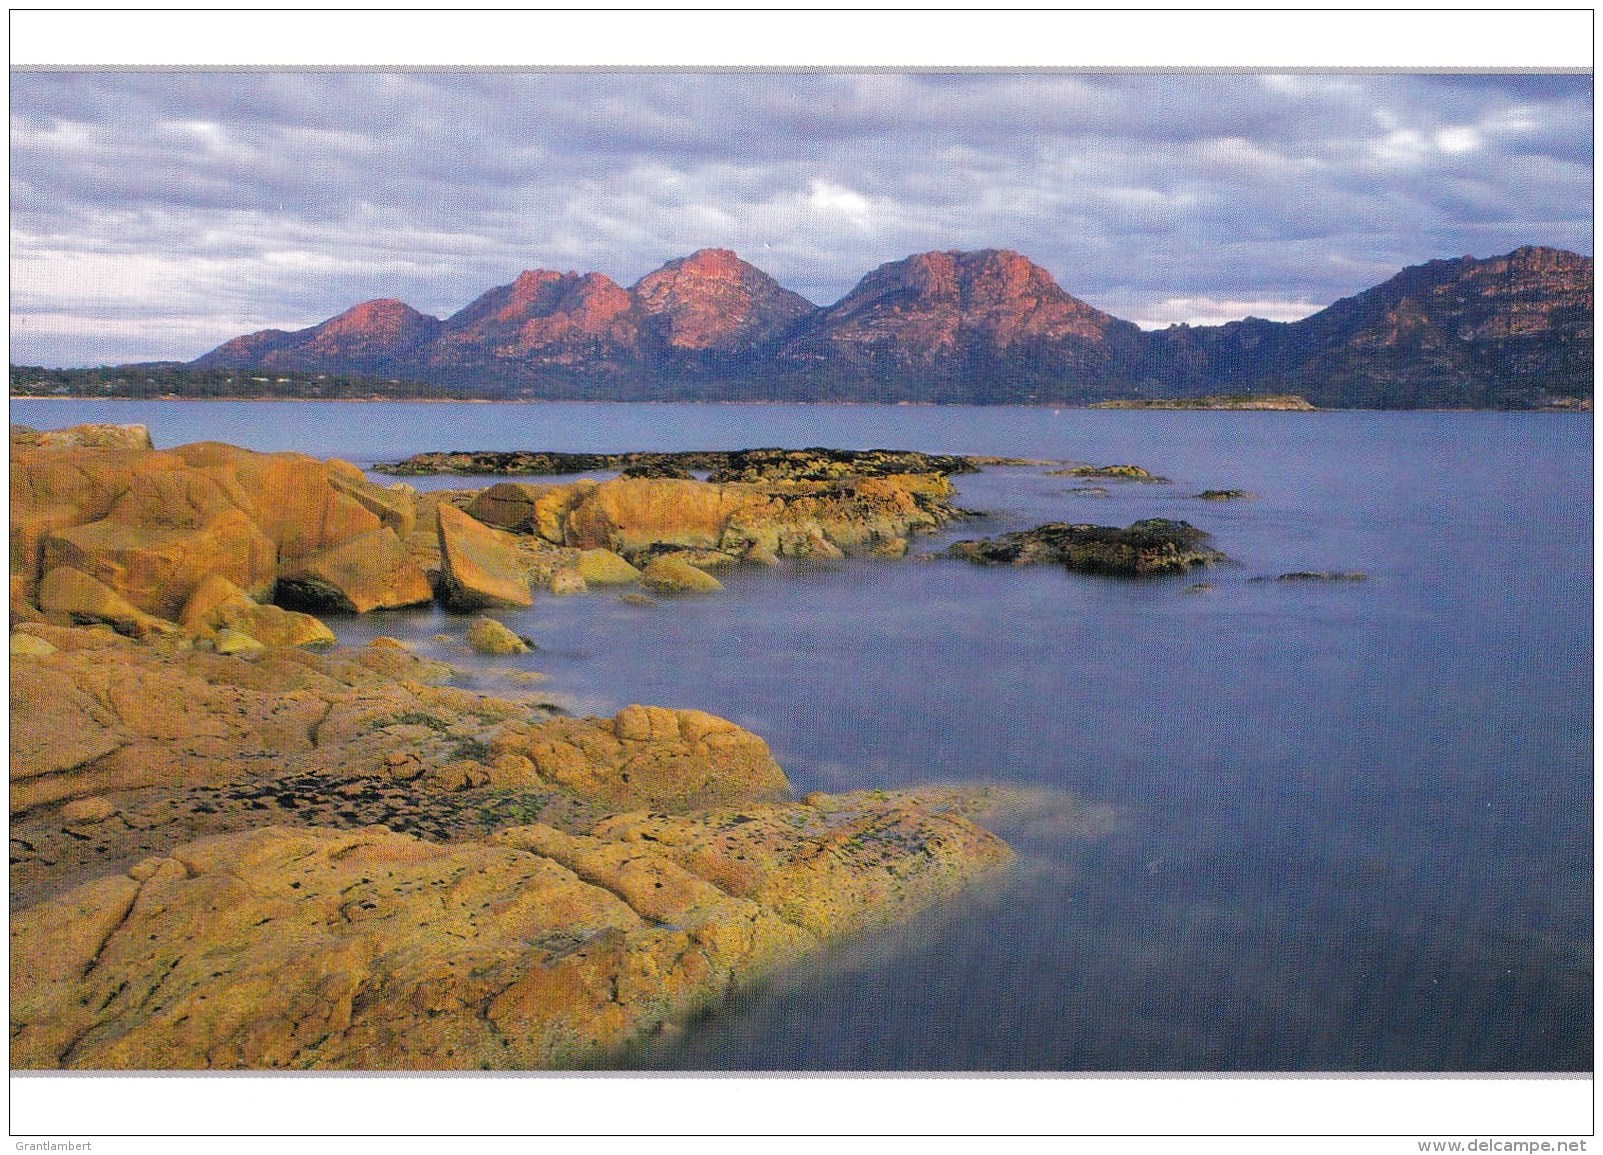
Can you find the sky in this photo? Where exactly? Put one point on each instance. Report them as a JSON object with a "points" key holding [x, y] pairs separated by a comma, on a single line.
{"points": [[157, 214]]}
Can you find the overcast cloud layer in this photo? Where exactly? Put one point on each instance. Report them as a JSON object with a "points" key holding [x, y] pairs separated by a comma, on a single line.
{"points": [[155, 215]]}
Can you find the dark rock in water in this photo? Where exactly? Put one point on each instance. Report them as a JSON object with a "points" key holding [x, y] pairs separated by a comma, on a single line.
{"points": [[1153, 546], [725, 465], [1225, 495], [1090, 490], [1319, 576], [818, 464]]}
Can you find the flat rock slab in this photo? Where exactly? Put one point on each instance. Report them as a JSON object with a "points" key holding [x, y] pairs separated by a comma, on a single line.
{"points": [[363, 949]]}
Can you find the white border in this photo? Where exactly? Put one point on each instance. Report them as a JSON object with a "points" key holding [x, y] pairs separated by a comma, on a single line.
{"points": [[1330, 39], [1425, 40]]}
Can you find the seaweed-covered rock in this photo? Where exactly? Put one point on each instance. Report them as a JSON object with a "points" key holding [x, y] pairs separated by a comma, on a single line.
{"points": [[819, 464], [658, 468], [1153, 546], [743, 465]]}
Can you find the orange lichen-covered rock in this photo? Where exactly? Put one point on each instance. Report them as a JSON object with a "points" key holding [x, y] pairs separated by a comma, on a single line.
{"points": [[84, 600], [630, 515], [370, 572], [364, 949], [479, 567], [217, 604], [649, 756]]}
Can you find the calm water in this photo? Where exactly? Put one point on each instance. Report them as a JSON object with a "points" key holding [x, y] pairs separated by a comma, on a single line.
{"points": [[1350, 823]]}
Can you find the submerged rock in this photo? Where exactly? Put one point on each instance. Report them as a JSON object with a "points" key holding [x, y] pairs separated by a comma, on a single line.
{"points": [[1153, 546], [564, 582], [1317, 576], [1225, 495]]}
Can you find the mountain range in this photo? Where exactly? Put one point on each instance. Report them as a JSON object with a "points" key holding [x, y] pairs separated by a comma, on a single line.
{"points": [[985, 327]]}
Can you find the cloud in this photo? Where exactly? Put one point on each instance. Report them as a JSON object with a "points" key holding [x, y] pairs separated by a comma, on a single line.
{"points": [[184, 208], [1216, 311]]}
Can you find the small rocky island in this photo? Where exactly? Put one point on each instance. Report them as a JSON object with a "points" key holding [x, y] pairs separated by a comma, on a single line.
{"points": [[235, 845], [1153, 546], [1255, 401]]}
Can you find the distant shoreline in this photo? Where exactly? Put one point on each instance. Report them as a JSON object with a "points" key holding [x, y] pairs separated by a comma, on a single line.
{"points": [[1582, 405]]}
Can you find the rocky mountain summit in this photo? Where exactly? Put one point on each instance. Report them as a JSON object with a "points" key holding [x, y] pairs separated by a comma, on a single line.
{"points": [[971, 327], [1505, 332], [981, 327]]}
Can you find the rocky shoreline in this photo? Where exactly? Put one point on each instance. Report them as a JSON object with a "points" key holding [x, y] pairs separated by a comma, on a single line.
{"points": [[286, 859], [238, 845], [235, 845]]}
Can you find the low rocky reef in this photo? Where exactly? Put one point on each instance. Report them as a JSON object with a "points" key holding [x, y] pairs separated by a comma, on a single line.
{"points": [[1152, 546], [281, 859], [1110, 473], [744, 465], [104, 528]]}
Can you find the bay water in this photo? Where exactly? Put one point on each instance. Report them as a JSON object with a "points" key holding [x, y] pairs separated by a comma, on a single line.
{"points": [[1320, 825]]}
